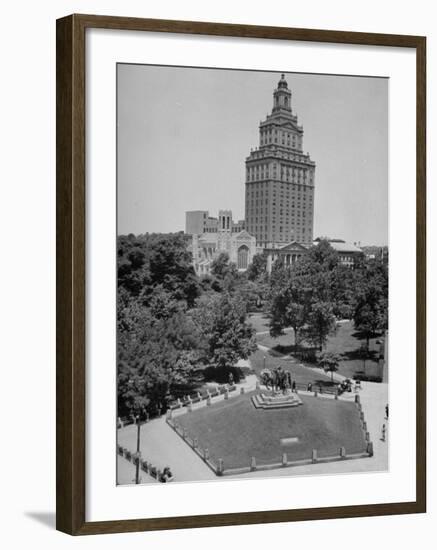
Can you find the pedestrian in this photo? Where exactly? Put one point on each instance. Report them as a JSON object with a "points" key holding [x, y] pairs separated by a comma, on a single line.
{"points": [[293, 386], [289, 379], [383, 432], [386, 412], [231, 379], [310, 386], [166, 475], [279, 378]]}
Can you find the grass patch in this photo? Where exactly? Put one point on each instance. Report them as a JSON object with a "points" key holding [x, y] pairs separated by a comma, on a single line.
{"points": [[346, 343], [301, 375], [259, 321], [286, 339], [235, 430]]}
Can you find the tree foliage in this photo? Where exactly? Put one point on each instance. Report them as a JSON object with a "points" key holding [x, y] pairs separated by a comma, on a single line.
{"points": [[257, 270], [171, 324], [317, 290], [329, 362], [320, 324], [370, 313], [227, 335]]}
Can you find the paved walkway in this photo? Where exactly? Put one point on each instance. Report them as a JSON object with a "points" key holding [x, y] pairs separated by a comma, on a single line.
{"points": [[263, 332], [163, 447], [126, 472]]}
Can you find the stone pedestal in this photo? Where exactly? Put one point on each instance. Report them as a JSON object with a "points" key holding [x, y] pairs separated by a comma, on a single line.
{"points": [[276, 400]]}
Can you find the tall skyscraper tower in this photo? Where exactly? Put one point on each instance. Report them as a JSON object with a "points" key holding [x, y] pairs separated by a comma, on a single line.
{"points": [[280, 179]]}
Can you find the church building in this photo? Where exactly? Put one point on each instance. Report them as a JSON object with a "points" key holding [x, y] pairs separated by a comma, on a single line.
{"points": [[212, 236]]}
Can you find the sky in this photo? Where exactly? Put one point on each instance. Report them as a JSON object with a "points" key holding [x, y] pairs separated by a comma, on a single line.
{"points": [[184, 134]]}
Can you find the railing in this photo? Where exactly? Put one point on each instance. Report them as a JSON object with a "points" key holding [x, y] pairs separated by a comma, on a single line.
{"points": [[145, 465], [220, 469], [197, 397]]}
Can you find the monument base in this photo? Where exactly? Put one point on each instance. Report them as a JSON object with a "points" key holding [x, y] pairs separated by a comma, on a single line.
{"points": [[276, 400]]}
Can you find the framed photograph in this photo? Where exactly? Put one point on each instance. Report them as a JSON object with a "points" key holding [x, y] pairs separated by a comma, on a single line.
{"points": [[240, 274]]}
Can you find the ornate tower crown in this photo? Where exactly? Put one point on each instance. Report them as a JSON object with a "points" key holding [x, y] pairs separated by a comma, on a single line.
{"points": [[282, 83], [282, 96]]}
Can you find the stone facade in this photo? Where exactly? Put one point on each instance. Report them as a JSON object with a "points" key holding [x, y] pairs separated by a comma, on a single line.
{"points": [[199, 221], [348, 253], [288, 254], [222, 236], [280, 179]]}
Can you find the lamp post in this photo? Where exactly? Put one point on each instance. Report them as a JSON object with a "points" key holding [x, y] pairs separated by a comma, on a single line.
{"points": [[137, 472]]}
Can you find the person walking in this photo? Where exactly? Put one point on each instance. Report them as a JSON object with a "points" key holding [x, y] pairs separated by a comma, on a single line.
{"points": [[383, 432], [386, 412]]}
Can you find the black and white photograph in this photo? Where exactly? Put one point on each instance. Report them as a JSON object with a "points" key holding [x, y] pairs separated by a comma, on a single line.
{"points": [[252, 274]]}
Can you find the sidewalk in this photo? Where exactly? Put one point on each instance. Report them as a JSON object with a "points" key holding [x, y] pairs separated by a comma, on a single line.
{"points": [[162, 447], [126, 472]]}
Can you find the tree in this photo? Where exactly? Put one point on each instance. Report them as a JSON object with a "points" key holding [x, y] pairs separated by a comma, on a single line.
{"points": [[329, 362], [251, 293], [220, 265], [159, 349], [320, 323], [371, 301], [226, 334], [369, 319], [290, 307], [171, 266], [258, 267], [320, 257]]}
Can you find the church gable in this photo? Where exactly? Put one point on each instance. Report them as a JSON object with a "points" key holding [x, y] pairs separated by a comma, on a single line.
{"points": [[243, 235]]}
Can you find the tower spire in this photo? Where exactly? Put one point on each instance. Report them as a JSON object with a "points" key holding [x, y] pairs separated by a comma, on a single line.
{"points": [[282, 96]]}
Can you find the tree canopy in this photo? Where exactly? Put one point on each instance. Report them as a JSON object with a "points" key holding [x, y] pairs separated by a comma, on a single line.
{"points": [[315, 292], [171, 324]]}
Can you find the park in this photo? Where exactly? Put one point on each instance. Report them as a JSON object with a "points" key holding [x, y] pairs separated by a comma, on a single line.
{"points": [[248, 374], [251, 442]]}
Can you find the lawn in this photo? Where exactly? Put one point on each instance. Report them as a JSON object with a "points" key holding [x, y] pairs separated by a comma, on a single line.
{"points": [[300, 374], [286, 339], [259, 321], [346, 343], [235, 430]]}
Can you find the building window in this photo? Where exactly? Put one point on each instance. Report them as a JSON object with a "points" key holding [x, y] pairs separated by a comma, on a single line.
{"points": [[243, 257]]}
